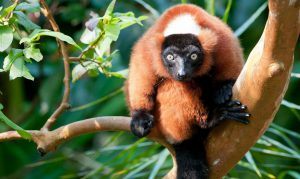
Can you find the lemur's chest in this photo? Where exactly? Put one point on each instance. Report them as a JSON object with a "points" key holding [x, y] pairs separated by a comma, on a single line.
{"points": [[178, 109], [179, 100]]}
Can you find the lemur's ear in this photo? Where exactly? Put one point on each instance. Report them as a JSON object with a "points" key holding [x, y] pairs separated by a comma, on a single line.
{"points": [[208, 39]]}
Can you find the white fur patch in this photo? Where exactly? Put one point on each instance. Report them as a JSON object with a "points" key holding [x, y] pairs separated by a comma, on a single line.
{"points": [[182, 24]]}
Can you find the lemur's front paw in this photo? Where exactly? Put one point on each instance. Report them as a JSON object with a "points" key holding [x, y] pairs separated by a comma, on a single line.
{"points": [[234, 110], [224, 93], [141, 123]]}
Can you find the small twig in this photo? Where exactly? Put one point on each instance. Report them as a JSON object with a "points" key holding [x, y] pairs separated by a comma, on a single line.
{"points": [[74, 59], [64, 105]]}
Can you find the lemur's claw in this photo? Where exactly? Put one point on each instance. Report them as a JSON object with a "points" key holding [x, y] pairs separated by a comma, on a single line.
{"points": [[141, 123], [235, 110]]}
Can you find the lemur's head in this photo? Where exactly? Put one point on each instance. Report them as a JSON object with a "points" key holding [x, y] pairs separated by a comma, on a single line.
{"points": [[182, 55], [185, 47]]}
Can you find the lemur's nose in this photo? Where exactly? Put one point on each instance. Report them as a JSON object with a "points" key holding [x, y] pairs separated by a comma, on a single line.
{"points": [[181, 75]]}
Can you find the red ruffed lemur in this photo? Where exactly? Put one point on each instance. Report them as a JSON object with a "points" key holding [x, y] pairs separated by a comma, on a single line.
{"points": [[180, 83]]}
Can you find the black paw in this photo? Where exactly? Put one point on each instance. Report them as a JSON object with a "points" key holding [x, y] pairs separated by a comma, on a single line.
{"points": [[234, 110], [141, 123], [224, 93]]}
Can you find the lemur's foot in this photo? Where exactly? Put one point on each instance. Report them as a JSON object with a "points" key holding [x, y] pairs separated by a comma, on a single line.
{"points": [[224, 93], [141, 123], [234, 110]]}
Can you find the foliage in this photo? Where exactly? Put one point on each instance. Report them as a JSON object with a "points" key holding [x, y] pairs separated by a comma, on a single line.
{"points": [[103, 43], [14, 126]]}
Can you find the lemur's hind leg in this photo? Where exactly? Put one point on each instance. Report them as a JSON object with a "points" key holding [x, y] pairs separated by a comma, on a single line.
{"points": [[191, 158]]}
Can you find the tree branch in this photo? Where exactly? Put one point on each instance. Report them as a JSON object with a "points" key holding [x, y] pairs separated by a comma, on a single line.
{"points": [[64, 105], [48, 141], [261, 86]]}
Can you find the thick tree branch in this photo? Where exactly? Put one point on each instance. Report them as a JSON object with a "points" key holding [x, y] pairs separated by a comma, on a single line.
{"points": [[64, 105], [261, 86]]}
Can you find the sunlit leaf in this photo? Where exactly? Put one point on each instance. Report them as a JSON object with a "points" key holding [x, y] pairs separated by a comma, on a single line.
{"points": [[90, 36], [18, 69], [253, 164], [81, 69], [34, 53], [110, 8], [112, 31], [4, 12], [120, 74], [161, 159], [10, 58], [6, 37], [103, 45]]}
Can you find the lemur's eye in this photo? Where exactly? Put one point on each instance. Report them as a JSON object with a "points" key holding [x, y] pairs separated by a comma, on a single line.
{"points": [[194, 56], [170, 57]]}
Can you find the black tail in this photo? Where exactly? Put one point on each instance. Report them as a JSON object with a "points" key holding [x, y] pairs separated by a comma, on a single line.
{"points": [[191, 158]]}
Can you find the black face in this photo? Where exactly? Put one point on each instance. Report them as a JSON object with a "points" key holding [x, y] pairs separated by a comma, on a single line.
{"points": [[182, 55]]}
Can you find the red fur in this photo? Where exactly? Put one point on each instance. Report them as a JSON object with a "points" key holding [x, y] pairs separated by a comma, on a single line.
{"points": [[178, 107]]}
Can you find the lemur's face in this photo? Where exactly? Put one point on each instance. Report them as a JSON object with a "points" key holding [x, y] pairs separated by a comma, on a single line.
{"points": [[182, 55]]}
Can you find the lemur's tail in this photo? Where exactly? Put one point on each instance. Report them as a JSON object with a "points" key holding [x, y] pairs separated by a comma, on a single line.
{"points": [[191, 158]]}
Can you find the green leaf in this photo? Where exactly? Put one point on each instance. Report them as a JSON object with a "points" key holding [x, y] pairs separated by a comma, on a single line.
{"points": [[253, 164], [60, 36], [8, 122], [25, 21], [110, 8], [28, 7], [128, 19], [98, 101], [210, 6], [103, 45], [33, 53], [8, 10], [250, 21], [141, 167], [10, 58], [226, 13], [89, 37], [81, 69], [161, 160], [18, 69], [286, 174], [112, 31], [1, 106], [120, 74], [6, 37], [36, 34]]}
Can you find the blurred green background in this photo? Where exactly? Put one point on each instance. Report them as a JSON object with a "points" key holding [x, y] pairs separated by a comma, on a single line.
{"points": [[118, 154]]}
